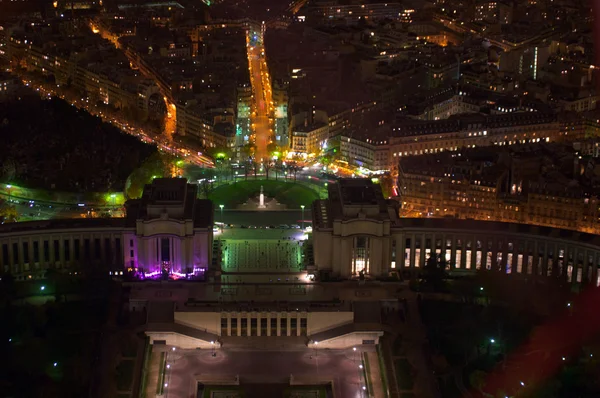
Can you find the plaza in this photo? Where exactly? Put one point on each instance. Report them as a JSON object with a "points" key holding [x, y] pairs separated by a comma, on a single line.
{"points": [[267, 250], [286, 370]]}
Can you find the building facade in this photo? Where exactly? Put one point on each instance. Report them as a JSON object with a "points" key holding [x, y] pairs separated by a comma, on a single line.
{"points": [[357, 232], [167, 231], [166, 242]]}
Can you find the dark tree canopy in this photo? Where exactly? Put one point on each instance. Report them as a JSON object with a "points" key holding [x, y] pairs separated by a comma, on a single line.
{"points": [[50, 144]]}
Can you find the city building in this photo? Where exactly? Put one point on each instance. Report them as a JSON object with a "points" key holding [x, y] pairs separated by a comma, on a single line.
{"points": [[537, 184], [470, 131], [9, 86], [357, 232], [167, 231], [90, 65]]}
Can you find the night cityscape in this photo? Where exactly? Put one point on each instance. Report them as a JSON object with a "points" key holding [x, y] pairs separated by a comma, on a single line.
{"points": [[299, 199]]}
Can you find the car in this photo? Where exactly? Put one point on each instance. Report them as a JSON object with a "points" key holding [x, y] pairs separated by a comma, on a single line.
{"points": [[272, 226], [243, 226], [295, 226]]}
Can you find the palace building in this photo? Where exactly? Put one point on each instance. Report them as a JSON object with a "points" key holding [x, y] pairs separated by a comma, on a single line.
{"points": [[356, 230], [167, 230], [198, 292]]}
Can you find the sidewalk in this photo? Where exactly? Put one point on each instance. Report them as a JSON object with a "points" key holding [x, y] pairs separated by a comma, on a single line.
{"points": [[375, 375], [153, 371]]}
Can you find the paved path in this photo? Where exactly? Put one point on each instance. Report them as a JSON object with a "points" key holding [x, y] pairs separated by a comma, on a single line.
{"points": [[152, 380], [375, 374], [265, 367]]}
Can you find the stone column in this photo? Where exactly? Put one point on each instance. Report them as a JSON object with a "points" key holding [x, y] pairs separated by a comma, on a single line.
{"points": [[336, 258], [421, 261], [453, 253], [544, 264], [54, 256], [289, 325], [249, 326], [346, 257], [279, 324], [229, 324], [375, 256], [412, 254], [20, 251], [72, 250], [268, 324]]}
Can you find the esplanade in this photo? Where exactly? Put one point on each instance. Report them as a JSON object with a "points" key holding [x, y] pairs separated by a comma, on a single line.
{"points": [[169, 230], [190, 282]]}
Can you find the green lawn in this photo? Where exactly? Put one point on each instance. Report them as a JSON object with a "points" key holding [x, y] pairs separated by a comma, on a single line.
{"points": [[397, 348], [382, 370], [404, 374], [125, 375], [161, 373], [291, 194], [367, 373]]}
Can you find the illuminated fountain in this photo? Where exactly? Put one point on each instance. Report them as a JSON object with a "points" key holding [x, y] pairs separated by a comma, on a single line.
{"points": [[261, 203]]}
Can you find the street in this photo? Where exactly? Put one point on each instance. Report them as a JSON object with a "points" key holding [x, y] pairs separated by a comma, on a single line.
{"points": [[261, 89]]}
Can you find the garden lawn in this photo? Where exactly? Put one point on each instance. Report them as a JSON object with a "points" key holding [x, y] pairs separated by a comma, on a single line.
{"points": [[125, 375], [288, 193], [404, 374]]}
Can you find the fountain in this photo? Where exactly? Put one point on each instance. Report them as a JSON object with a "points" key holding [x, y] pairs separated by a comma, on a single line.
{"points": [[261, 202], [261, 199]]}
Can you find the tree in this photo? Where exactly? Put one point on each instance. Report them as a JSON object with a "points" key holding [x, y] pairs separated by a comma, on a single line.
{"points": [[273, 147], [156, 165], [434, 272], [7, 287], [266, 164], [277, 165], [248, 151], [294, 168], [477, 379], [8, 212], [205, 188]]}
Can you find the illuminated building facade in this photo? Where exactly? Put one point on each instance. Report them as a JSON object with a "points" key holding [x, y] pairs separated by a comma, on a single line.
{"points": [[356, 230], [280, 103], [243, 114], [423, 137], [504, 186], [167, 231], [352, 13], [168, 234]]}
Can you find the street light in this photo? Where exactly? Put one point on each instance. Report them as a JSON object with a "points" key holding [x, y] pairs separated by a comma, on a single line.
{"points": [[302, 206], [9, 187], [214, 354]]}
